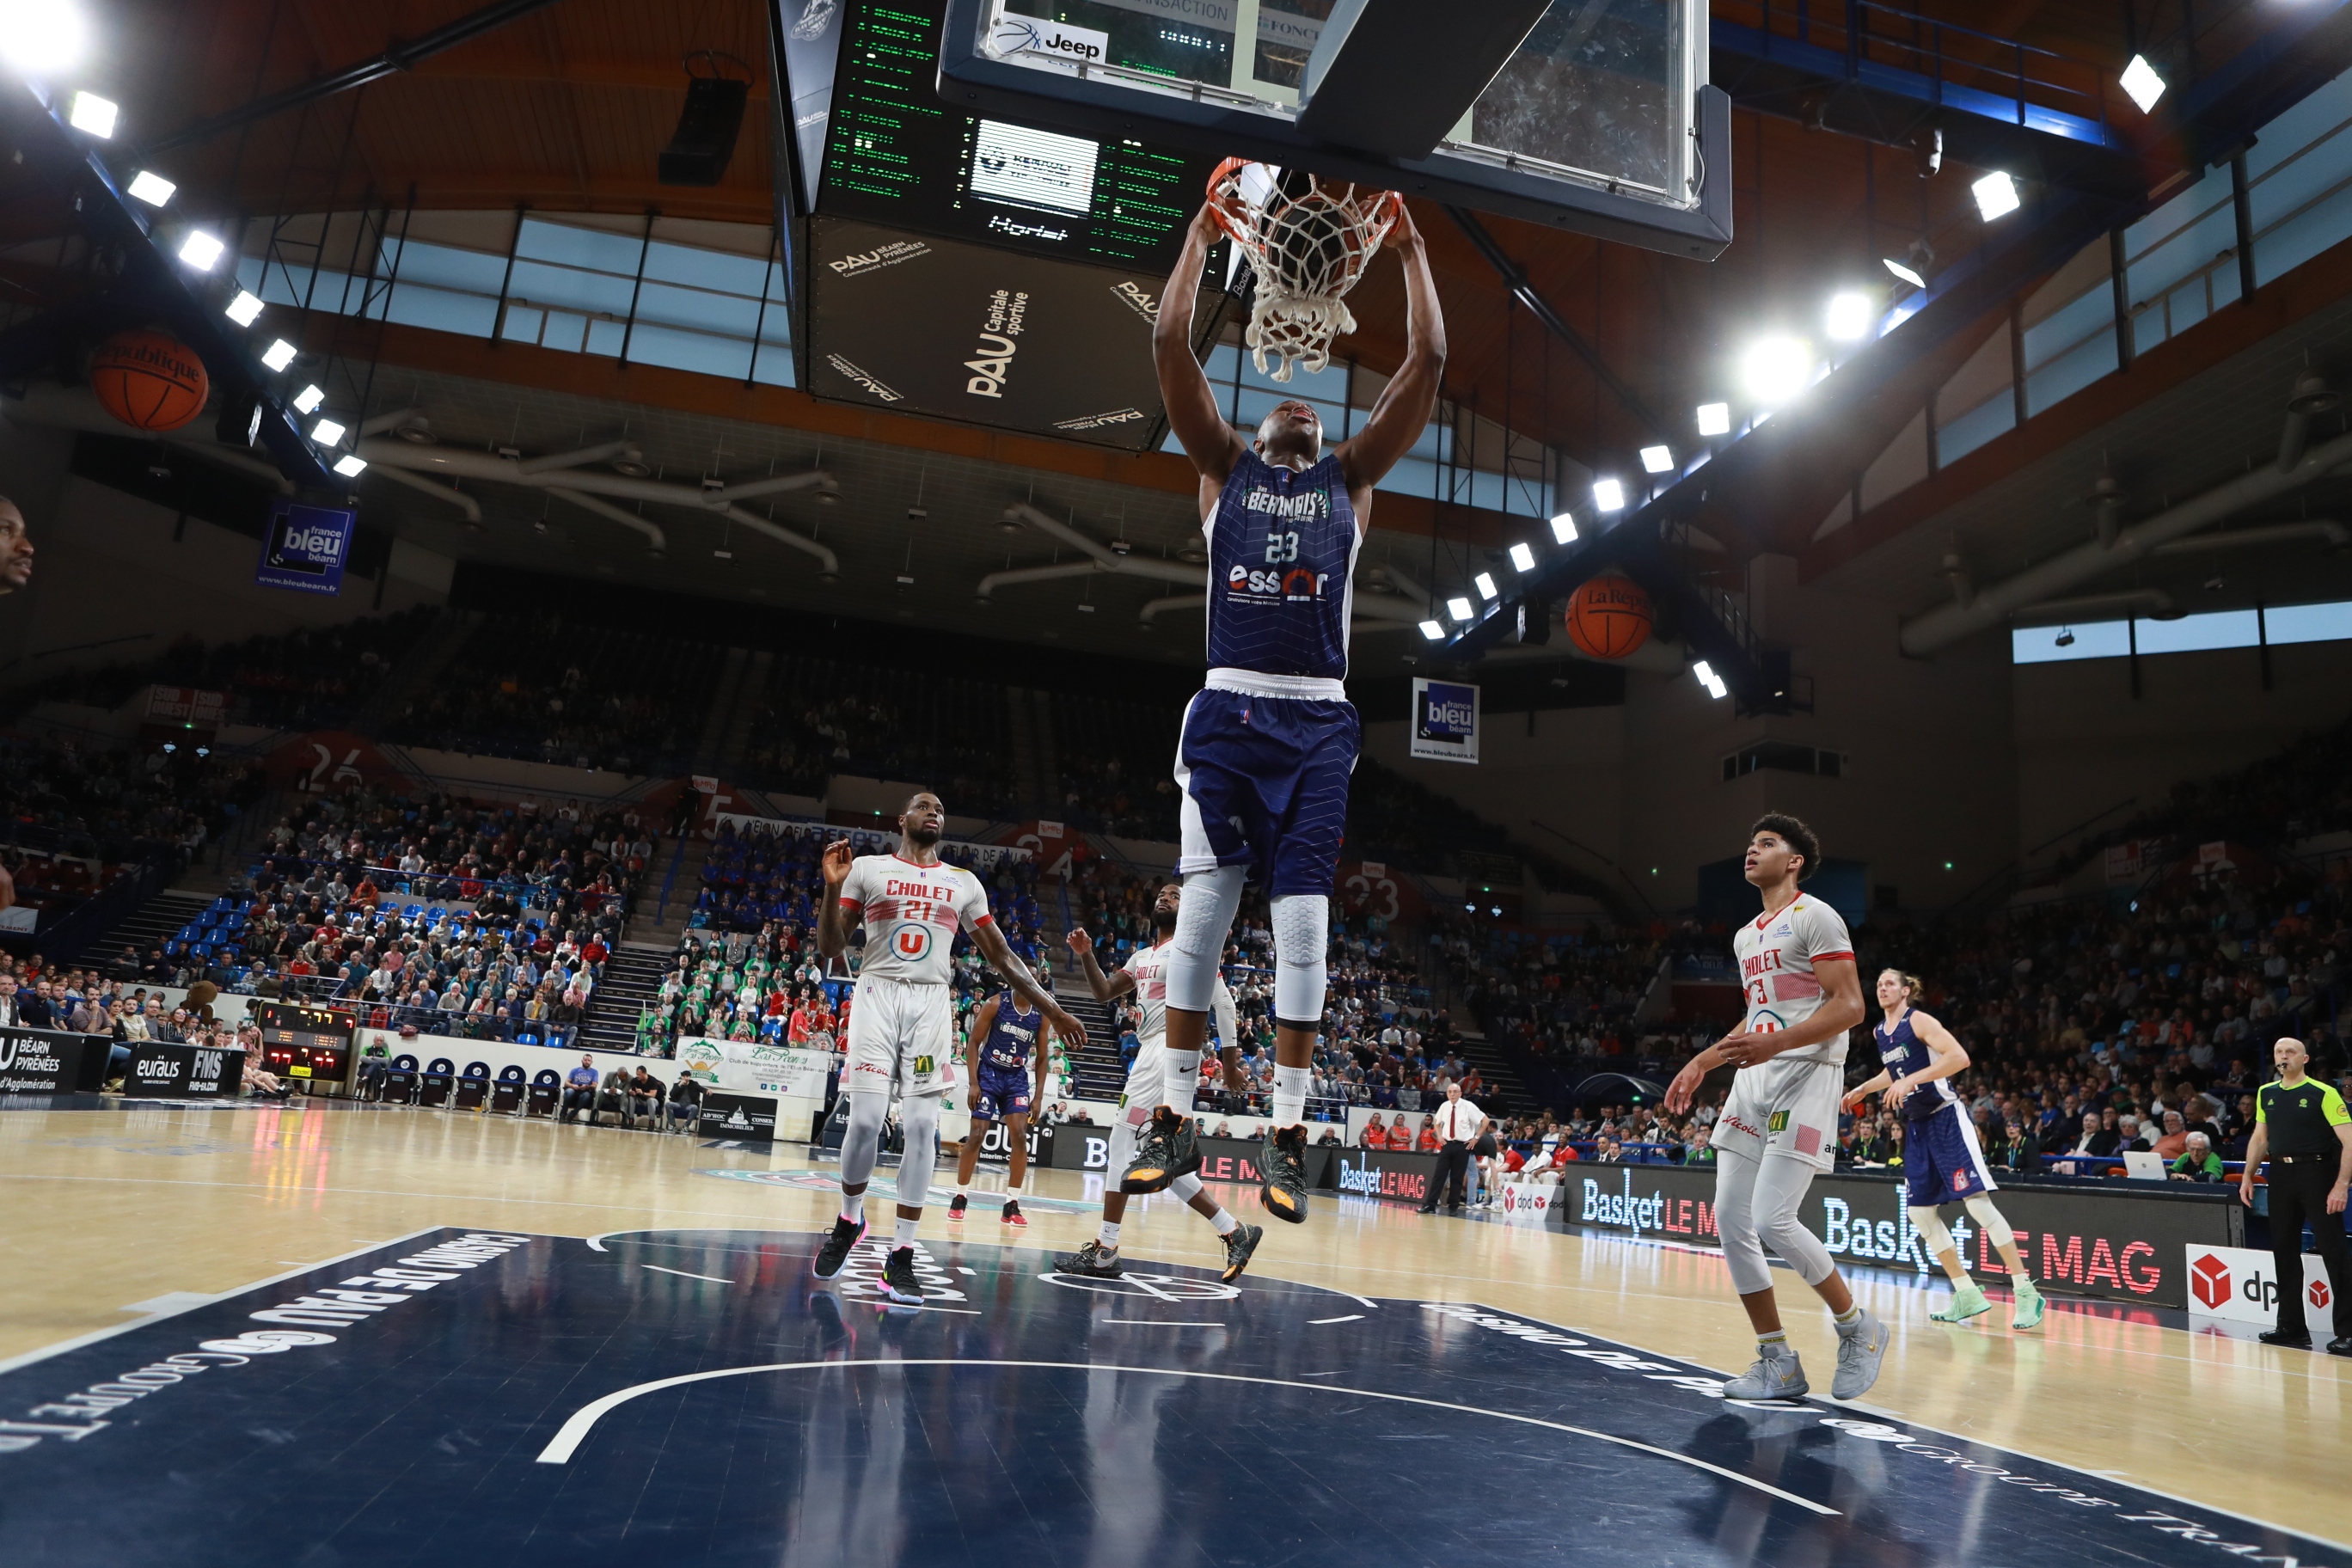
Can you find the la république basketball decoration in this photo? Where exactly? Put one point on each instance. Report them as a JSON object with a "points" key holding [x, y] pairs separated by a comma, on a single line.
{"points": [[1609, 616], [149, 380]]}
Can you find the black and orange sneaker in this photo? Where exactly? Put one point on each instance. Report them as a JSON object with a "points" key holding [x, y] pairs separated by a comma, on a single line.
{"points": [[847, 1233], [1283, 1158], [1238, 1246], [1167, 1149], [957, 1205], [1092, 1261]]}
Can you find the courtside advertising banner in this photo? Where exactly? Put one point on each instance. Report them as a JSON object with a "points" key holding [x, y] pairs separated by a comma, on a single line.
{"points": [[305, 547], [2239, 1285], [1444, 720]]}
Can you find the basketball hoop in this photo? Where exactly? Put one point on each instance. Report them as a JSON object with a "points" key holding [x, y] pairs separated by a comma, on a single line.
{"points": [[1308, 243]]}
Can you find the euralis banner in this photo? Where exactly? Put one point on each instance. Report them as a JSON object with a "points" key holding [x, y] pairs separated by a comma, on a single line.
{"points": [[2121, 1246]]}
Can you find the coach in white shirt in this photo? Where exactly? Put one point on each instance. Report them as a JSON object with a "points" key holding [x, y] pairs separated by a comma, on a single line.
{"points": [[1458, 1123]]}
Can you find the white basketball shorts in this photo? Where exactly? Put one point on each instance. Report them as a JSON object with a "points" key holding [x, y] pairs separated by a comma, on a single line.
{"points": [[903, 1033], [1784, 1107]]}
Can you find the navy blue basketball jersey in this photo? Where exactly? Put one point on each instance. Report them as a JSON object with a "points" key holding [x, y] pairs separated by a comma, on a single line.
{"points": [[1014, 1034], [1902, 1053], [1282, 561]]}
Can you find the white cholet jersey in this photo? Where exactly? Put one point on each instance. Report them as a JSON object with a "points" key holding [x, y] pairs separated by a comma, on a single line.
{"points": [[912, 913], [1149, 966], [1777, 952]]}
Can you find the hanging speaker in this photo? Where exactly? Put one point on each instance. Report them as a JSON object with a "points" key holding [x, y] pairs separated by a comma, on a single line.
{"points": [[704, 141]]}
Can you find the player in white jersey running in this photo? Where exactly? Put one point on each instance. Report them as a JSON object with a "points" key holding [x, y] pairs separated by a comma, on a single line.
{"points": [[1779, 1126], [902, 1019], [1145, 976]]}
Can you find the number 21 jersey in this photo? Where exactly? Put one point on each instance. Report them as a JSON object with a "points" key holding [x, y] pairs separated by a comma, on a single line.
{"points": [[912, 914]]}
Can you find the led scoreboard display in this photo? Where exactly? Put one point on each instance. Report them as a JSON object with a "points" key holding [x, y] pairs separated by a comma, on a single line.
{"points": [[306, 1044]]}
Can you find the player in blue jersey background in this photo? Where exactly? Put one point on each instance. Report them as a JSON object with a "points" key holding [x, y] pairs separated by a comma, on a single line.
{"points": [[1267, 746], [1005, 1061]]}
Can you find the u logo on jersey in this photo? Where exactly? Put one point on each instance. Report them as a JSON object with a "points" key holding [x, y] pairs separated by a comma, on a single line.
{"points": [[911, 941]]}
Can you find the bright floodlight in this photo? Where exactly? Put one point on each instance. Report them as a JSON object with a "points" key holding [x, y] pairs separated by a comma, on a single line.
{"points": [[1708, 679], [327, 432], [1485, 585], [39, 36], [1849, 316], [1996, 196], [1715, 418], [1563, 528], [1608, 495], [351, 465], [244, 309], [280, 355], [200, 250], [1657, 459], [93, 115], [308, 398], [2139, 79], [1432, 631], [1459, 610], [1523, 558], [1908, 274], [1776, 369], [151, 188]]}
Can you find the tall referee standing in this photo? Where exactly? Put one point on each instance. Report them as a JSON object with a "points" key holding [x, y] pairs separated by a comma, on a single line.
{"points": [[2302, 1125]]}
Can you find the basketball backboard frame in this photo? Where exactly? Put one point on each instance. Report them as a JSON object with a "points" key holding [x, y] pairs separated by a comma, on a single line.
{"points": [[1065, 90]]}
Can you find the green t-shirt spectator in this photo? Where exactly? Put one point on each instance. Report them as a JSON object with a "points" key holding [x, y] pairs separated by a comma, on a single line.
{"points": [[2198, 1164]]}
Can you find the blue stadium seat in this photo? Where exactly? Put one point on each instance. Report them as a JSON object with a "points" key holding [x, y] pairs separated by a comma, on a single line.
{"points": [[507, 1094], [474, 1086], [434, 1085]]}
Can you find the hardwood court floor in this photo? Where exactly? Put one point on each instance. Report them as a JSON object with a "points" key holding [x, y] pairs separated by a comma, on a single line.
{"points": [[108, 1209]]}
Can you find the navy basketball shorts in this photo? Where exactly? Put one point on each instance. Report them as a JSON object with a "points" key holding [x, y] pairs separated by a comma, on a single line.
{"points": [[1001, 1092], [1942, 1161], [1265, 782]]}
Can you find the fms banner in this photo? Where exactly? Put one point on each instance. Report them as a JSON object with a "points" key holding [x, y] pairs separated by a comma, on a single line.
{"points": [[305, 547], [1444, 721]]}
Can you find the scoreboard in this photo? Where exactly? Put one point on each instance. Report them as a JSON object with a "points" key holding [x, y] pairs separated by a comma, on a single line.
{"points": [[305, 1043]]}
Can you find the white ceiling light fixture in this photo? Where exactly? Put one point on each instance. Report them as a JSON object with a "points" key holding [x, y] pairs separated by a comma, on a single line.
{"points": [[1563, 527], [1908, 274], [308, 398], [1715, 418], [351, 466], [1485, 585], [1709, 679], [151, 188], [2141, 80], [1432, 631], [278, 355], [327, 432], [1777, 368], [244, 310], [1459, 608], [1847, 320], [1657, 459], [92, 115], [1996, 196], [1523, 558], [38, 36], [1608, 495], [201, 250]]}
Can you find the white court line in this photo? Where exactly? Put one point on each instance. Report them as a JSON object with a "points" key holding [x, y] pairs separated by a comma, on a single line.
{"points": [[575, 1430], [682, 1274], [1166, 1322], [1350, 1318]]}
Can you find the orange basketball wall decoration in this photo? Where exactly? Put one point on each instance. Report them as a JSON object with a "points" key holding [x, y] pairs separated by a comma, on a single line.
{"points": [[1608, 617], [150, 380]]}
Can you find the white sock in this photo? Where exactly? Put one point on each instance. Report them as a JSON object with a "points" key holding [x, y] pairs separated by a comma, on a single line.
{"points": [[1774, 1345], [1181, 1070], [853, 1206], [1224, 1222], [1012, 1188], [1107, 1234], [1290, 1095], [902, 1234], [1850, 1321], [963, 1189]]}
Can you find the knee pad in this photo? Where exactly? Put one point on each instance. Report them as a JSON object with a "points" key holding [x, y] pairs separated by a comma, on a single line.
{"points": [[868, 1112], [1302, 934], [1931, 1228], [1185, 1188], [1735, 1224], [919, 1118], [1996, 1229], [1202, 919]]}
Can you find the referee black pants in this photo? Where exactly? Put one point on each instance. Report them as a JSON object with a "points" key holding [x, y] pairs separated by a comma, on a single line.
{"points": [[1452, 1165], [2299, 1185]]}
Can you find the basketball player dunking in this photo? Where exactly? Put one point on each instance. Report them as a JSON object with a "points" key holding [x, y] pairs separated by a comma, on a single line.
{"points": [[1266, 748]]}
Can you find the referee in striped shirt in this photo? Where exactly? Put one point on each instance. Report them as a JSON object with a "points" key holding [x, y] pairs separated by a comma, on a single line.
{"points": [[2302, 1126]]}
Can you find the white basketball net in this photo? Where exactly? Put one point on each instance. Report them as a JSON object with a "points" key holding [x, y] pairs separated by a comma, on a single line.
{"points": [[1308, 251]]}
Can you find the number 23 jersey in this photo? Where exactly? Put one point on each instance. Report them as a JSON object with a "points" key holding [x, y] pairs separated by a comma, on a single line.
{"points": [[1777, 952], [912, 914]]}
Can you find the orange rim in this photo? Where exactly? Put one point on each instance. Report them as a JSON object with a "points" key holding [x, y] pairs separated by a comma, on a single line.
{"points": [[1219, 209]]}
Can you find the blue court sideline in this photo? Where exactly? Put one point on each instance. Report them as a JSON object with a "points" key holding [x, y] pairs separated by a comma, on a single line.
{"points": [[461, 1398]]}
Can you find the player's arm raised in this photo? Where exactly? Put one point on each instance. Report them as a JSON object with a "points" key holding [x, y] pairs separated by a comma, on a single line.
{"points": [[1103, 986], [1403, 410], [999, 954], [832, 926], [1192, 413]]}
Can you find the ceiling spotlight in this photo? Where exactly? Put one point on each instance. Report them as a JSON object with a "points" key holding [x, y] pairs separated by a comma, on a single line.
{"points": [[244, 309], [1657, 459], [1709, 679], [327, 432], [1777, 368], [1432, 631], [1715, 418], [200, 250], [1563, 528], [2141, 80], [1460, 609], [629, 466], [151, 188], [278, 355], [1485, 585], [91, 114], [1908, 274], [1996, 196], [2065, 638], [1523, 558], [41, 39], [307, 399], [1608, 495], [351, 465], [1848, 318]]}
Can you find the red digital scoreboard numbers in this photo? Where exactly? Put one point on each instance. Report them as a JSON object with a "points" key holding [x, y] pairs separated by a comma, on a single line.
{"points": [[306, 1044]]}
